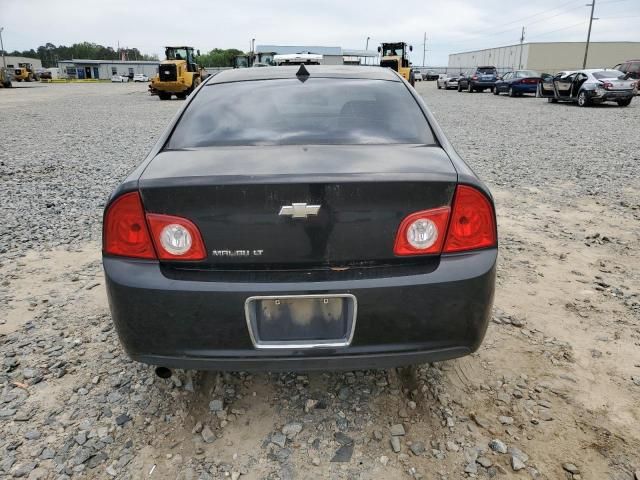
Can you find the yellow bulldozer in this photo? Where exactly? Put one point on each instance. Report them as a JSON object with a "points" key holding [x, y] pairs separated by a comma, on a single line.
{"points": [[5, 79], [396, 56], [178, 75], [24, 71]]}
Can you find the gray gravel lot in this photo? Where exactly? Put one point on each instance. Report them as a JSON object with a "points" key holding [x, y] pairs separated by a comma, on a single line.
{"points": [[552, 393]]}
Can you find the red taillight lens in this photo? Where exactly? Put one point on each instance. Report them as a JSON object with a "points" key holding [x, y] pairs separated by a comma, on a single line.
{"points": [[176, 238], [608, 85], [475, 77], [125, 231], [472, 224], [422, 233]]}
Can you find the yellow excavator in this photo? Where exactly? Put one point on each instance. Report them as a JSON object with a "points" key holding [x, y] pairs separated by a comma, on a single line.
{"points": [[178, 75], [396, 56], [5, 79]]}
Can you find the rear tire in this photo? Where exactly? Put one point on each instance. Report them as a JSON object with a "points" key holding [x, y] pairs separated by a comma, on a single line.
{"points": [[512, 92], [624, 103], [583, 100], [164, 96], [181, 95], [439, 87], [470, 89], [552, 100], [496, 91], [459, 88]]}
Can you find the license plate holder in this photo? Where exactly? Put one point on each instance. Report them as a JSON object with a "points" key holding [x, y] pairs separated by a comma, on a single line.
{"points": [[301, 321]]}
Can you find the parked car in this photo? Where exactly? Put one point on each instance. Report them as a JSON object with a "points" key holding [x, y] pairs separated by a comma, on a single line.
{"points": [[431, 75], [140, 77], [631, 68], [586, 87], [283, 238], [119, 79], [517, 83], [417, 74], [447, 81], [481, 79]]}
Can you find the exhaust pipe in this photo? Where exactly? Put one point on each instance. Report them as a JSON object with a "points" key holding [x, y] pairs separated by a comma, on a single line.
{"points": [[163, 372]]}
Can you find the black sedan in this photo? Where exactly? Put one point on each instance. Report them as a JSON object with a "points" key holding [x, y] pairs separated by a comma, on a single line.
{"points": [[300, 219]]}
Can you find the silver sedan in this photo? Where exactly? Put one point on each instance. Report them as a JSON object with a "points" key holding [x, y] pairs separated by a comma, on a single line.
{"points": [[447, 81]]}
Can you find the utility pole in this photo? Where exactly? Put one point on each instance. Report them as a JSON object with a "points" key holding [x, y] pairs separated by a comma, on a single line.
{"points": [[4, 60], [424, 48], [521, 47], [586, 50]]}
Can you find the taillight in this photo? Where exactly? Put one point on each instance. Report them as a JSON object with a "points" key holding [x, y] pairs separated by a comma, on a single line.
{"points": [[125, 231], [176, 238], [422, 233], [475, 77], [608, 85], [468, 225], [472, 224]]}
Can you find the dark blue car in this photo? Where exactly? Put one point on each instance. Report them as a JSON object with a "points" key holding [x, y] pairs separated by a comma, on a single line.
{"points": [[517, 83]]}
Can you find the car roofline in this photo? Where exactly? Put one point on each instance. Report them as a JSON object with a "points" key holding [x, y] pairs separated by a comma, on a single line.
{"points": [[317, 71]]}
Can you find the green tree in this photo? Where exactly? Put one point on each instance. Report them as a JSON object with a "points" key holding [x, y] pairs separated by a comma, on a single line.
{"points": [[219, 57]]}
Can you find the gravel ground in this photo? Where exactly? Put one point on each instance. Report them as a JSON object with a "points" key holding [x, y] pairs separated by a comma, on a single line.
{"points": [[552, 393]]}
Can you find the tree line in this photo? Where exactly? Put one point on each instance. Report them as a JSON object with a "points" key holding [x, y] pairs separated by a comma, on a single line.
{"points": [[49, 54]]}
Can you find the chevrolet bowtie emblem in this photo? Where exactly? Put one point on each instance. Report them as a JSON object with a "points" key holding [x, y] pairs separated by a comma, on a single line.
{"points": [[299, 210]]}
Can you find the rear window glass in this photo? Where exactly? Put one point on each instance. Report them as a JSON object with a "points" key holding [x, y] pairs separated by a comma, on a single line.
{"points": [[526, 74], [607, 74], [289, 112], [487, 70], [634, 67]]}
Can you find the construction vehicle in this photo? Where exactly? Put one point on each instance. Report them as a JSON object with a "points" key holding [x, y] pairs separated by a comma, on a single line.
{"points": [[243, 61], [396, 56], [5, 78], [178, 75], [24, 72]]}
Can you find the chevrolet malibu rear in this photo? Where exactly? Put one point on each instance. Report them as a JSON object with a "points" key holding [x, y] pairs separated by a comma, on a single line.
{"points": [[300, 219]]}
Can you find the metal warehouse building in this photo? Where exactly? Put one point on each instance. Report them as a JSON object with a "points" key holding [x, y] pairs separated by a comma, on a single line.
{"points": [[548, 57], [105, 69], [12, 62], [330, 55]]}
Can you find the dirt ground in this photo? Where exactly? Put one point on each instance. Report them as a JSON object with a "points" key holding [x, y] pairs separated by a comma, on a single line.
{"points": [[557, 379]]}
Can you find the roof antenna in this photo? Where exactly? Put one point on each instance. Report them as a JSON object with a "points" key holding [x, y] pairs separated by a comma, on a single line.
{"points": [[302, 73]]}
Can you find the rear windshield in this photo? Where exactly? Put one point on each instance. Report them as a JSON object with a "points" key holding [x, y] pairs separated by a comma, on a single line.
{"points": [[526, 74], [291, 112], [602, 74], [486, 70]]}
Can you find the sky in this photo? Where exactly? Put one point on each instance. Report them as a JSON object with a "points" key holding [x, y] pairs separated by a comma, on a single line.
{"points": [[451, 25]]}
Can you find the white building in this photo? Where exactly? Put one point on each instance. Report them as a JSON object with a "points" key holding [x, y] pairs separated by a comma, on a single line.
{"points": [[105, 69], [330, 55], [547, 57], [12, 62]]}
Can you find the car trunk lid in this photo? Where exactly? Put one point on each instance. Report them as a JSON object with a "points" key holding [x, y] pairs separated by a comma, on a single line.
{"points": [[236, 195]]}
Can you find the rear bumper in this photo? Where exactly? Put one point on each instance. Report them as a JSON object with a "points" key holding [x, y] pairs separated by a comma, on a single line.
{"points": [[411, 318], [478, 84], [526, 88], [611, 96], [171, 87]]}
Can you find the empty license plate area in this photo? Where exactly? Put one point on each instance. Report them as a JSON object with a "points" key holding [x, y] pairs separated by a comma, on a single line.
{"points": [[301, 321]]}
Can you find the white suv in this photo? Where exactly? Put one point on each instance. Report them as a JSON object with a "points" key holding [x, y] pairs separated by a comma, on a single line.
{"points": [[140, 77]]}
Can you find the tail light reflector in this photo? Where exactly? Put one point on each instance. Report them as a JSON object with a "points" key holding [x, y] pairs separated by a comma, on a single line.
{"points": [[468, 225], [472, 224], [422, 233], [125, 231], [176, 238]]}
